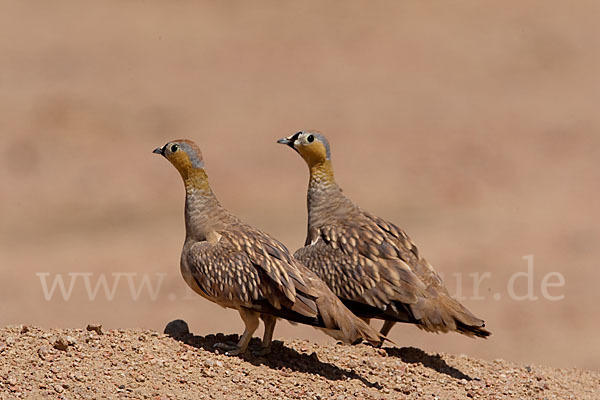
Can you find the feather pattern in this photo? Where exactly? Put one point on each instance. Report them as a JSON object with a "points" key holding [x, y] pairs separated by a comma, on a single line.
{"points": [[370, 263], [238, 266], [247, 266]]}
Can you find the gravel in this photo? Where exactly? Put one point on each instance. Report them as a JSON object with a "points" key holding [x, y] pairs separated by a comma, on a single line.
{"points": [[142, 364]]}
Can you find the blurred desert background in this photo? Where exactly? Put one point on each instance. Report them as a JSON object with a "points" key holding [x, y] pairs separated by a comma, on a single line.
{"points": [[473, 125]]}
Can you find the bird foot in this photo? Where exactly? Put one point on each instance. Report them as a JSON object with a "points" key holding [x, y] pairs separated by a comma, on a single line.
{"points": [[230, 349], [235, 352], [263, 351]]}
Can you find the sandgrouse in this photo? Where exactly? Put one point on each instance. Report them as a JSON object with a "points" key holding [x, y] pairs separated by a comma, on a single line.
{"points": [[237, 266], [371, 264]]}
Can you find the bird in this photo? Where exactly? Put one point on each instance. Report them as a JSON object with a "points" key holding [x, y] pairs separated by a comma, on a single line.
{"points": [[238, 266], [372, 265]]}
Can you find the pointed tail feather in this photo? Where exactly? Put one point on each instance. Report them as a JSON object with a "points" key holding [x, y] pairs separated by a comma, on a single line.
{"points": [[444, 314], [341, 323]]}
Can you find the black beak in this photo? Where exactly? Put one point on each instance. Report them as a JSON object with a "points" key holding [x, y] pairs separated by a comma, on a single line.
{"points": [[285, 141], [290, 139], [159, 150]]}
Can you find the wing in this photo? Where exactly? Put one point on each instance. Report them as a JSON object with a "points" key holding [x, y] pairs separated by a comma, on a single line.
{"points": [[249, 268], [370, 261], [405, 249]]}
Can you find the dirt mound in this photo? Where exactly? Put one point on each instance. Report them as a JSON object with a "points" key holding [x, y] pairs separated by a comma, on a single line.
{"points": [[82, 363]]}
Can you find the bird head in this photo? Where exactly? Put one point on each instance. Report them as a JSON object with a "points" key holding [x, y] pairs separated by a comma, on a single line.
{"points": [[185, 155], [312, 147]]}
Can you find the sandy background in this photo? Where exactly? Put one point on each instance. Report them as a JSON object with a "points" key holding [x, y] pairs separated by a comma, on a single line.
{"points": [[473, 126]]}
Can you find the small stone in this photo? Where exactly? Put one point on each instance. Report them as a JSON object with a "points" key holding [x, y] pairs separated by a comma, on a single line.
{"points": [[58, 388], [209, 363], [16, 390], [61, 344], [11, 380], [177, 328], [44, 352], [96, 328], [71, 341], [24, 329]]}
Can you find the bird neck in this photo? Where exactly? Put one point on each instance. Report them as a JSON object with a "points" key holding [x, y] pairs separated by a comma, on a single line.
{"points": [[195, 179], [321, 173], [325, 200], [203, 212]]}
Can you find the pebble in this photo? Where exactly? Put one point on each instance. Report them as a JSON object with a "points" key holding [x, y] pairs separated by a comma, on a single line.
{"points": [[177, 328], [209, 363], [44, 352], [61, 344], [95, 328], [71, 341]]}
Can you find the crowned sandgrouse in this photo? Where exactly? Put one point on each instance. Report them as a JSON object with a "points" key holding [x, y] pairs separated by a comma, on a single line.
{"points": [[371, 264], [237, 266]]}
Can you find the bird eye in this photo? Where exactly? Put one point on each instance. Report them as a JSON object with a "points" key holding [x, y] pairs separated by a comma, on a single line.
{"points": [[310, 139], [174, 148]]}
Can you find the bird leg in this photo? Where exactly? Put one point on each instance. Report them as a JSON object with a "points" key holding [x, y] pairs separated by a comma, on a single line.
{"points": [[385, 329], [366, 321], [250, 319], [265, 347]]}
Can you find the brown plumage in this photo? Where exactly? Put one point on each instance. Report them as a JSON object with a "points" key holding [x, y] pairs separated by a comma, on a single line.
{"points": [[371, 264], [237, 266]]}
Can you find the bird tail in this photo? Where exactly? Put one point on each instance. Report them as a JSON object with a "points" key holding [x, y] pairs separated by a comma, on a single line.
{"points": [[444, 314], [341, 324]]}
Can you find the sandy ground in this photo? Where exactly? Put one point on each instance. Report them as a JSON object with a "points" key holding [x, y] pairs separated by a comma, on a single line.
{"points": [[143, 364], [473, 126]]}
